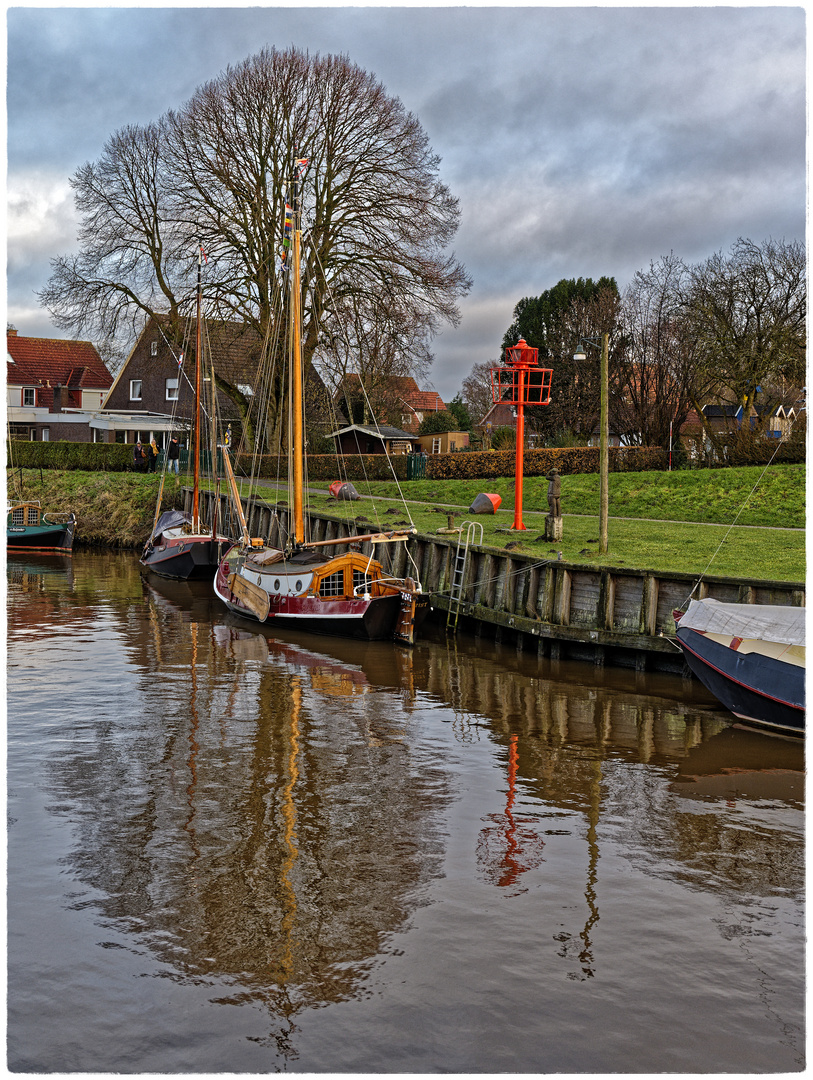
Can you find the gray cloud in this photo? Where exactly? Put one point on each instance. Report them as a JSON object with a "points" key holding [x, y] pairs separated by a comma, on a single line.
{"points": [[580, 141]]}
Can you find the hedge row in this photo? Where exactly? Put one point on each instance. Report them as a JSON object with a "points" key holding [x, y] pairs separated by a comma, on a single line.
{"points": [[327, 467], [486, 464], [760, 452], [479, 464], [90, 457]]}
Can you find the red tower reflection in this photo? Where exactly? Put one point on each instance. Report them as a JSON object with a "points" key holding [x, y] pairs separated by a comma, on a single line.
{"points": [[508, 848]]}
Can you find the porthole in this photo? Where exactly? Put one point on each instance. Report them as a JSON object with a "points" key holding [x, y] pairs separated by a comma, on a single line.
{"points": [[299, 586], [276, 585]]}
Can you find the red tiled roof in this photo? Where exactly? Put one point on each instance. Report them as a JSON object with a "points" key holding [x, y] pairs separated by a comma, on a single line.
{"points": [[48, 362]]}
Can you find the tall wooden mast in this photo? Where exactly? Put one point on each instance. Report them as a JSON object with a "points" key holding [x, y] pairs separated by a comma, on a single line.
{"points": [[196, 443], [297, 433]]}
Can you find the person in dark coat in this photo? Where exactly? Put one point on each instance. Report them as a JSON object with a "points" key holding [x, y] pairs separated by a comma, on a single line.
{"points": [[139, 457], [151, 457], [173, 455]]}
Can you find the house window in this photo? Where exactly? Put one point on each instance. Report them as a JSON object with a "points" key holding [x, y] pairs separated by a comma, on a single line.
{"points": [[46, 434], [436, 444], [153, 348], [135, 389], [29, 396], [172, 389]]}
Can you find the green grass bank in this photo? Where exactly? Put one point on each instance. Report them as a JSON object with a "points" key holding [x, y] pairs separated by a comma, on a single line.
{"points": [[679, 521]]}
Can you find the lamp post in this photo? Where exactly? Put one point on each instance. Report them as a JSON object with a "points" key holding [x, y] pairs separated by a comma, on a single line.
{"points": [[604, 453], [520, 382]]}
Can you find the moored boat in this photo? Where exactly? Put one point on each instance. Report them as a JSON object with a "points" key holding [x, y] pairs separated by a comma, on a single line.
{"points": [[180, 546], [28, 528], [751, 657], [303, 585]]}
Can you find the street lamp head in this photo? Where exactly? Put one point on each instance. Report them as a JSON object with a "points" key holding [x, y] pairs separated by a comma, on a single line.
{"points": [[579, 355]]}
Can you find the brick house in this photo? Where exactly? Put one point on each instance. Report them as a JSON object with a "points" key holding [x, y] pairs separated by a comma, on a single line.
{"points": [[153, 394], [54, 388]]}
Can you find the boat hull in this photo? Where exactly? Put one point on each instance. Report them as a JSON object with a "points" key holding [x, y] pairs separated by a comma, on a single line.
{"points": [[186, 557], [362, 618], [45, 537], [757, 689]]}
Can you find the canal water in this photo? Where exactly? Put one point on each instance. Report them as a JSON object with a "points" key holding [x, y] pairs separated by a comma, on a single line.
{"points": [[232, 850]]}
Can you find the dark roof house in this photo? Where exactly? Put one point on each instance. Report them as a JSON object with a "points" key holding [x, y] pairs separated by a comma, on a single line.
{"points": [[155, 392]]}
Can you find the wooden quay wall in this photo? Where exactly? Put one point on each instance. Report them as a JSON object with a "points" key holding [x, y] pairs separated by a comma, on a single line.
{"points": [[613, 615]]}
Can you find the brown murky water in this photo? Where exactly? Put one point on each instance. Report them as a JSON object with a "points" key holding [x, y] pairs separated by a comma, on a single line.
{"points": [[236, 851]]}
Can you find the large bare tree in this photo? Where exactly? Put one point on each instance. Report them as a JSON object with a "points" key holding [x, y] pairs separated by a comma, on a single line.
{"points": [[217, 173]]}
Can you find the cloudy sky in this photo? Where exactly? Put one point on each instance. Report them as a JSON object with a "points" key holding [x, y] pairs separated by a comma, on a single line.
{"points": [[580, 141]]}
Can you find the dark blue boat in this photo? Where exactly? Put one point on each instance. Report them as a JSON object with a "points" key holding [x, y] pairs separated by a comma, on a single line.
{"points": [[751, 657]]}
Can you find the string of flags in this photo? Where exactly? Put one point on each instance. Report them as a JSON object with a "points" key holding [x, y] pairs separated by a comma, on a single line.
{"points": [[288, 223]]}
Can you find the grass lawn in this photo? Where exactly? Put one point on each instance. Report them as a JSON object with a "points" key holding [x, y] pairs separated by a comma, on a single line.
{"points": [[675, 521], [117, 509]]}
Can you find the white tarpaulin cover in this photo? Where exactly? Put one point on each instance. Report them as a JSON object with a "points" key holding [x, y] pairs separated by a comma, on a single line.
{"points": [[765, 622]]}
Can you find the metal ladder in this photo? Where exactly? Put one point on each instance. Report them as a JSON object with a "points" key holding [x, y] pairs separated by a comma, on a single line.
{"points": [[459, 570]]}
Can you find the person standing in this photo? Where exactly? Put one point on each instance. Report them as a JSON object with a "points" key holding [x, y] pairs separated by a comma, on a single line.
{"points": [[139, 457], [154, 458], [149, 454], [173, 455]]}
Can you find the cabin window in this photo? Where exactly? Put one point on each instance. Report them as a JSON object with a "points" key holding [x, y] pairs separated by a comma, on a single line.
{"points": [[25, 515], [359, 579], [172, 389], [135, 389], [333, 585], [29, 396]]}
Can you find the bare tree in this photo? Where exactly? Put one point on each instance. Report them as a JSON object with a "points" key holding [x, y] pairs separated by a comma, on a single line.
{"points": [[748, 315], [217, 172], [476, 392], [657, 374], [369, 351]]}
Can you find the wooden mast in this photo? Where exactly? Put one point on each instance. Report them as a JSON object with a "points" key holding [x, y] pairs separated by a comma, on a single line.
{"points": [[297, 435], [196, 460]]}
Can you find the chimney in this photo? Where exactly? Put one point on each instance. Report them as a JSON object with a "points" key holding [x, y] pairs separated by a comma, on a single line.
{"points": [[11, 331], [57, 406]]}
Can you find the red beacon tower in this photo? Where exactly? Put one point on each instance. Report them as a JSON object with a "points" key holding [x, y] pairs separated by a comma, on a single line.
{"points": [[520, 382]]}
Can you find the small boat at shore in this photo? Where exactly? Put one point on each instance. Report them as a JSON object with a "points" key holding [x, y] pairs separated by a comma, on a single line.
{"points": [[180, 546], [751, 657], [29, 528]]}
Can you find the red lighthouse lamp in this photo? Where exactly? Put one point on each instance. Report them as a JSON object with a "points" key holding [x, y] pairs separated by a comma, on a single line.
{"points": [[520, 382]]}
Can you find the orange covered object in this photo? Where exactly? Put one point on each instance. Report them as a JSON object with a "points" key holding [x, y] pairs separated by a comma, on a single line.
{"points": [[485, 504]]}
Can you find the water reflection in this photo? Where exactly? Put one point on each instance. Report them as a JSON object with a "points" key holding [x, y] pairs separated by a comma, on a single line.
{"points": [[263, 812], [511, 845]]}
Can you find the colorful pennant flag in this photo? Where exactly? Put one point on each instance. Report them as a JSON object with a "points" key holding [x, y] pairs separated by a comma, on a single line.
{"points": [[286, 231]]}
